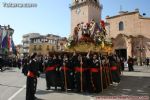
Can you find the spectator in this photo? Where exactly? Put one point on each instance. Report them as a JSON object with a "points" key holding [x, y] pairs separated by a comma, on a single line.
{"points": [[122, 63], [147, 62], [130, 64]]}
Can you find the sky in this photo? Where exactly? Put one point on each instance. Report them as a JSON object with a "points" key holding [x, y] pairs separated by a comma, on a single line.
{"points": [[53, 16]]}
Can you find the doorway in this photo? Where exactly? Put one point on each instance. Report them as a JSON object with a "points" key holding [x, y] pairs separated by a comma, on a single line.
{"points": [[122, 53]]}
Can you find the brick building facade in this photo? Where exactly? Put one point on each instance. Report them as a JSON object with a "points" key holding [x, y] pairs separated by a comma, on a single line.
{"points": [[130, 33]]}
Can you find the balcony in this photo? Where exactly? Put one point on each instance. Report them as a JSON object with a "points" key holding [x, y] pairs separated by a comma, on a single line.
{"points": [[25, 46], [25, 41]]}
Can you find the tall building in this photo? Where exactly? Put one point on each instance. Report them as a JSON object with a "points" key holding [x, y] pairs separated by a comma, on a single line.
{"points": [[84, 11], [130, 32], [26, 41]]}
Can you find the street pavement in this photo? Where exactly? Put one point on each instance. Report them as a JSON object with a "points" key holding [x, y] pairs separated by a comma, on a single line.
{"points": [[137, 83]]}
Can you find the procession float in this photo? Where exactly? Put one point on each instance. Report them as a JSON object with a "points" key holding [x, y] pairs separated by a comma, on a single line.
{"points": [[89, 36]]}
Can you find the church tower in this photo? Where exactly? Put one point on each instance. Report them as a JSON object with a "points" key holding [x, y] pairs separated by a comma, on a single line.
{"points": [[84, 11]]}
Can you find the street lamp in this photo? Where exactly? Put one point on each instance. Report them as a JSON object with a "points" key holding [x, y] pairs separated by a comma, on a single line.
{"points": [[141, 49]]}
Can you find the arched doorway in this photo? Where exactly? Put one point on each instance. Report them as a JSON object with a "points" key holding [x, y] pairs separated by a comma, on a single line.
{"points": [[120, 46], [122, 53]]}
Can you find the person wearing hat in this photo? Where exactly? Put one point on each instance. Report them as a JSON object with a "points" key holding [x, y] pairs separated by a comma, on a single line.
{"points": [[32, 78]]}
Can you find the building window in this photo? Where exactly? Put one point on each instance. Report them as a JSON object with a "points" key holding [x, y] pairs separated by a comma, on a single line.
{"points": [[121, 26], [39, 41], [53, 48], [35, 47], [51, 41], [40, 47], [47, 47]]}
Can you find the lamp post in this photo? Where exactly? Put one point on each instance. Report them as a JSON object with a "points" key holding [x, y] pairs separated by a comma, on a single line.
{"points": [[141, 49]]}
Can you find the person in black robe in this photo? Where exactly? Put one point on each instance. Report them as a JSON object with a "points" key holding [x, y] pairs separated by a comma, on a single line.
{"points": [[33, 73], [50, 71], [25, 66], [130, 63], [95, 74], [65, 73], [41, 66], [122, 60], [114, 69], [58, 70], [80, 73], [147, 62], [71, 72]]}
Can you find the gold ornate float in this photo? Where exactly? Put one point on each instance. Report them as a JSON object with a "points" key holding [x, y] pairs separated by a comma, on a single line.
{"points": [[89, 36]]}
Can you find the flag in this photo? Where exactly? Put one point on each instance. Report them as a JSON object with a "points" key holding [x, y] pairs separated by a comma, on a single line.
{"points": [[5, 42], [0, 36], [4, 33], [8, 42], [13, 47], [4, 39], [0, 33]]}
